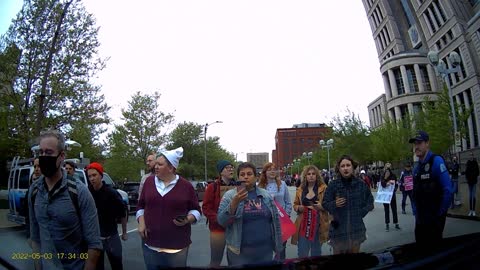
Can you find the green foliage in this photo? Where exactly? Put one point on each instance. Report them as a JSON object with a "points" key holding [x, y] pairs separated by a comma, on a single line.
{"points": [[189, 136], [88, 135], [351, 137], [390, 141], [436, 119], [141, 134], [51, 85]]}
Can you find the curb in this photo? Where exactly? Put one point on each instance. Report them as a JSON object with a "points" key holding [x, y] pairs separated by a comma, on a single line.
{"points": [[463, 217]]}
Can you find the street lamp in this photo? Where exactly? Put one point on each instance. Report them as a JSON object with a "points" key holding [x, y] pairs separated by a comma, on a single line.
{"points": [[328, 145], [308, 156], [444, 72], [205, 134]]}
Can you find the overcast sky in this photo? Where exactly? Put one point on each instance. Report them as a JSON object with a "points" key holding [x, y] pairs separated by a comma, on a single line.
{"points": [[256, 65]]}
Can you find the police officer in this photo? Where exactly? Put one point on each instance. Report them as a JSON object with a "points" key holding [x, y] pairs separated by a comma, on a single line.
{"points": [[431, 192]]}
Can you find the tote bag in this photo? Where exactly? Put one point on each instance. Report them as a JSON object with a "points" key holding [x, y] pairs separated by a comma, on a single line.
{"points": [[286, 224]]}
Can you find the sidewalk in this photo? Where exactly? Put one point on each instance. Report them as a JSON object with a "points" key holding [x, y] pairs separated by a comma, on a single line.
{"points": [[4, 223]]}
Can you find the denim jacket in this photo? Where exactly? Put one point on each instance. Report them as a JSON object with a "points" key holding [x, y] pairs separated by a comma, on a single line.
{"points": [[233, 223]]}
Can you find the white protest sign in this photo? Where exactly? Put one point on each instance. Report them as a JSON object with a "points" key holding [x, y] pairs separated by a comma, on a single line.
{"points": [[384, 194]]}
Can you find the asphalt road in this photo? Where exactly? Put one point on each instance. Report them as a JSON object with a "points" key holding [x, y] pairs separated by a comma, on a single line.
{"points": [[14, 240]]}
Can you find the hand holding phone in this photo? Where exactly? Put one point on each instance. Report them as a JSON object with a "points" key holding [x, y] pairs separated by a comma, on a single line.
{"points": [[240, 185], [180, 218]]}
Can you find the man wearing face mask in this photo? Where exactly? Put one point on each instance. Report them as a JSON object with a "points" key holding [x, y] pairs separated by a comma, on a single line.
{"points": [[56, 226]]}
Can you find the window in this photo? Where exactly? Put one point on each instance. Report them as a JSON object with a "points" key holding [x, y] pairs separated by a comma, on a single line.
{"points": [[430, 24], [439, 9], [388, 36], [408, 13], [472, 115], [24, 178], [461, 109], [412, 79], [425, 79], [417, 107], [399, 81]]}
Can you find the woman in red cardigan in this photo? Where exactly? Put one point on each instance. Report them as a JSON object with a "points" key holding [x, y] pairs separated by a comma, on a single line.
{"points": [[166, 209]]}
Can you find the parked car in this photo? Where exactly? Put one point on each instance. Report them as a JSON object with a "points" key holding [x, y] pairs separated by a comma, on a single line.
{"points": [[132, 190]]}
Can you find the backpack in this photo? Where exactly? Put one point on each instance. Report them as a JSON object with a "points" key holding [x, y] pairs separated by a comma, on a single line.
{"points": [[72, 191]]}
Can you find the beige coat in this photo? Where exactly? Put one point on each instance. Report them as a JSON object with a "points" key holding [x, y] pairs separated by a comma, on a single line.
{"points": [[324, 215]]}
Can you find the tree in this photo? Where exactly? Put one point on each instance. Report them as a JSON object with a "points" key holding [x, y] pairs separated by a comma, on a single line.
{"points": [[58, 46], [351, 137], [141, 134], [436, 119], [390, 141], [189, 136], [88, 135]]}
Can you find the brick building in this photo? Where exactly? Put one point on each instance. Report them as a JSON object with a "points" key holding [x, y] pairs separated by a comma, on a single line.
{"points": [[290, 143]]}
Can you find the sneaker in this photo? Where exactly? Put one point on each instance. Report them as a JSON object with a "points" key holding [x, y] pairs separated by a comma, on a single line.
{"points": [[397, 227], [470, 213], [387, 228], [474, 214]]}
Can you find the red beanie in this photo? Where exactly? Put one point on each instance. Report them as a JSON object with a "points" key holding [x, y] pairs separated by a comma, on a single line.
{"points": [[96, 166]]}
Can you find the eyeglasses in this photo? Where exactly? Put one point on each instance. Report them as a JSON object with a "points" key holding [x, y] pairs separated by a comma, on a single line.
{"points": [[229, 168]]}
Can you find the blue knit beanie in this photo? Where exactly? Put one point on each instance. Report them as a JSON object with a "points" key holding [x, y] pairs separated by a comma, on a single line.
{"points": [[222, 164]]}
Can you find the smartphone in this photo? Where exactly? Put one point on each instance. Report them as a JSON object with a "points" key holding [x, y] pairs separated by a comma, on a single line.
{"points": [[180, 218], [240, 185]]}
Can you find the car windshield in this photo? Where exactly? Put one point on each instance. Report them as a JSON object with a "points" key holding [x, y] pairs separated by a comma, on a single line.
{"points": [[108, 180]]}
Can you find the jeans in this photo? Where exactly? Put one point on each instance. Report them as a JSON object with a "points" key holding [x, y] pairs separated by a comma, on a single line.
{"points": [[217, 247], [306, 246], [454, 191], [393, 205], [346, 247], [250, 257], [161, 260], [406, 194], [113, 247], [472, 190]]}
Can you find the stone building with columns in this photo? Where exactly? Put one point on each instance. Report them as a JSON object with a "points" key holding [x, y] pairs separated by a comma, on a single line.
{"points": [[404, 32]]}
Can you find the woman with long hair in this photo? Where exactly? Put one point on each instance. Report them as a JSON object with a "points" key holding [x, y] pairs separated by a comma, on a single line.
{"points": [[313, 220], [348, 200], [270, 180]]}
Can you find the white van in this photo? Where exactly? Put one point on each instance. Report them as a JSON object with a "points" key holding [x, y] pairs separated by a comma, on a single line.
{"points": [[18, 184]]}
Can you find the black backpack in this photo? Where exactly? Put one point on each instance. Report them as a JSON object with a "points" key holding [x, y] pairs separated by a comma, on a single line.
{"points": [[72, 191]]}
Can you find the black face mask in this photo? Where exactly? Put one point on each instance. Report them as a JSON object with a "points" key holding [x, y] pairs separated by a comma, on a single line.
{"points": [[48, 165]]}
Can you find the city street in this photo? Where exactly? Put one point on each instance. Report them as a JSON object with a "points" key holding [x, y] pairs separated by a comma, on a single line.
{"points": [[14, 240]]}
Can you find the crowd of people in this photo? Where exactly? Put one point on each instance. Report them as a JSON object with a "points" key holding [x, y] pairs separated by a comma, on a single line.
{"points": [[71, 218]]}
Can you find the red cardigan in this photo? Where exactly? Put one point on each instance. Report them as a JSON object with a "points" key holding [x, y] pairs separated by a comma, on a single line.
{"points": [[161, 210]]}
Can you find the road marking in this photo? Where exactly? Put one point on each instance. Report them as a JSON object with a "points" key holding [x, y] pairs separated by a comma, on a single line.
{"points": [[132, 230]]}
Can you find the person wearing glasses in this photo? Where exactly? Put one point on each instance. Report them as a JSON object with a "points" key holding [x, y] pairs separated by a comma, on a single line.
{"points": [[242, 212], [211, 202], [270, 180]]}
